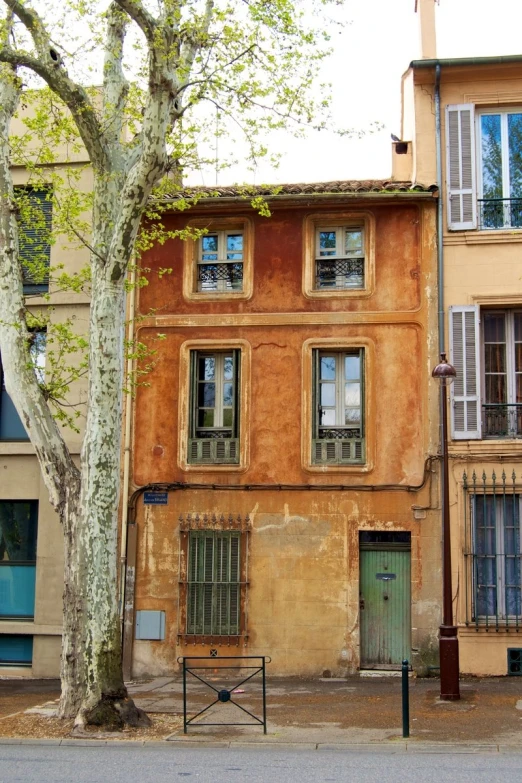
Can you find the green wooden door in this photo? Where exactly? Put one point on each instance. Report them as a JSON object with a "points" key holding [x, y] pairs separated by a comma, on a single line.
{"points": [[385, 608]]}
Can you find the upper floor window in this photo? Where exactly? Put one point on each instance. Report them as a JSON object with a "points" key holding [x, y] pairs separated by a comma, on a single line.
{"points": [[484, 168], [11, 427], [338, 424], [339, 257], [220, 261], [500, 185], [219, 264], [214, 391], [339, 254], [35, 222], [487, 354]]}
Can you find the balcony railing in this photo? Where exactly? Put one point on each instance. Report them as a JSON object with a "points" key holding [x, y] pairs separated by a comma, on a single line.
{"points": [[496, 213], [502, 421]]}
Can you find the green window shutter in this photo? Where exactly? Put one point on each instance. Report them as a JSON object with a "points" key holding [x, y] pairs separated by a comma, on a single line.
{"points": [[213, 596]]}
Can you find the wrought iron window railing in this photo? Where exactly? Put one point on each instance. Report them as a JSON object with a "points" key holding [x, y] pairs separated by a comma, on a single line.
{"points": [[492, 551], [497, 213], [217, 277], [502, 420], [339, 273]]}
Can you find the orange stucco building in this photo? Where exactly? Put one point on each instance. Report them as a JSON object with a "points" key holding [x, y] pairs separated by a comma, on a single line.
{"points": [[282, 492]]}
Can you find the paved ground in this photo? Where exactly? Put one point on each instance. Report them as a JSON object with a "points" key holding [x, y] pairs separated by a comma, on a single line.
{"points": [[358, 710], [18, 694]]}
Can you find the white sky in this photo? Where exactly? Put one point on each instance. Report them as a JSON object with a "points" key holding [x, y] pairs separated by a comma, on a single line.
{"points": [[370, 56]]}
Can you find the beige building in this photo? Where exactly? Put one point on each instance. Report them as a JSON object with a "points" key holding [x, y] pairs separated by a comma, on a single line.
{"points": [[31, 542], [462, 127]]}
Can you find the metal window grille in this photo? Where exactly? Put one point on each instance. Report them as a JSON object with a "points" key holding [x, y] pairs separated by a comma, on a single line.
{"points": [[493, 551], [220, 261], [214, 576], [213, 583]]}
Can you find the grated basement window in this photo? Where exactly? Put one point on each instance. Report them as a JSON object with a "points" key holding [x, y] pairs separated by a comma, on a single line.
{"points": [[514, 656]]}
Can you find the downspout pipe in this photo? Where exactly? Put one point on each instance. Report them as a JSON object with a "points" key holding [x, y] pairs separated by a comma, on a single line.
{"points": [[440, 249]]}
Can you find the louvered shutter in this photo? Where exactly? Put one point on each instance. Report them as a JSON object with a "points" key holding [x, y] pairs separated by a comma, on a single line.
{"points": [[460, 163], [35, 226], [465, 357], [234, 590]]}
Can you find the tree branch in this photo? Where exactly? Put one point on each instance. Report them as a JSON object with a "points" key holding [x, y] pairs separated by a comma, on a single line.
{"points": [[193, 43], [49, 66], [145, 21], [116, 86]]}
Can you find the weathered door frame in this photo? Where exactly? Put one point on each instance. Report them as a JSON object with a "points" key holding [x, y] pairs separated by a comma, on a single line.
{"points": [[391, 582]]}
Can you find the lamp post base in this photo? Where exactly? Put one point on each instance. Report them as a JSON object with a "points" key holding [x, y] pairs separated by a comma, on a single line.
{"points": [[449, 663]]}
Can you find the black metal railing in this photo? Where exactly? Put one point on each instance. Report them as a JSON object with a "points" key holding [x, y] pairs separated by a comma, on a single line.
{"points": [[496, 213], [220, 276], [339, 273], [209, 673], [502, 420]]}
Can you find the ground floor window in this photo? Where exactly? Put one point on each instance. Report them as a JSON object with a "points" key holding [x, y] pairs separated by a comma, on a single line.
{"points": [[16, 650], [494, 550], [214, 577], [18, 531]]}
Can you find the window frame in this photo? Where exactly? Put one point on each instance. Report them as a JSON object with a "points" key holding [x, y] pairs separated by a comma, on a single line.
{"points": [[199, 526], [340, 235], [214, 437], [333, 449], [503, 113], [192, 252], [40, 373], [309, 381], [338, 221], [44, 196], [186, 411], [27, 563], [498, 558]]}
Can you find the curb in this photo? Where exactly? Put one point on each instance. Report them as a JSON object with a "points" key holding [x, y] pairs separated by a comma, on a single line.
{"points": [[381, 747]]}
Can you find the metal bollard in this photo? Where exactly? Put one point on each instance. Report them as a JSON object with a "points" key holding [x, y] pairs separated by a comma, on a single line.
{"points": [[405, 700]]}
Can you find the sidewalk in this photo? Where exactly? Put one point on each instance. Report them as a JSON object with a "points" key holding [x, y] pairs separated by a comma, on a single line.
{"points": [[360, 711], [356, 710]]}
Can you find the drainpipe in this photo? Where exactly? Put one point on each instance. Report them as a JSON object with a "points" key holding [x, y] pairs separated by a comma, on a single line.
{"points": [[440, 252], [127, 448]]}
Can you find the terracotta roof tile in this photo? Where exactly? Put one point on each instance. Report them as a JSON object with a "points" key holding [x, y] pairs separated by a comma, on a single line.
{"points": [[299, 189]]}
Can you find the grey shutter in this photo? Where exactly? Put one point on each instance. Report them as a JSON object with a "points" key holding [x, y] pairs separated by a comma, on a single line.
{"points": [[461, 167], [35, 226], [465, 357]]}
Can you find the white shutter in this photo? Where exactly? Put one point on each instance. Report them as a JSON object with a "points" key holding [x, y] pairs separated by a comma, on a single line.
{"points": [[465, 357], [460, 167]]}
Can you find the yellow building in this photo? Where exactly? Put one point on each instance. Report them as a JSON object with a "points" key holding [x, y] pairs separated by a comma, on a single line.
{"points": [[31, 538], [462, 127]]}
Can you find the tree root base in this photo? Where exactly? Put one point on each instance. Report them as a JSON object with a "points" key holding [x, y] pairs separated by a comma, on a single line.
{"points": [[110, 715]]}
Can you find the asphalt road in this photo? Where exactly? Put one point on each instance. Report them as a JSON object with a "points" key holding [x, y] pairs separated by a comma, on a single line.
{"points": [[40, 764]]}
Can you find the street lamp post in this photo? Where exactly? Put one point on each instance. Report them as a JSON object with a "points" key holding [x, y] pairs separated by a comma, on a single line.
{"points": [[448, 639]]}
